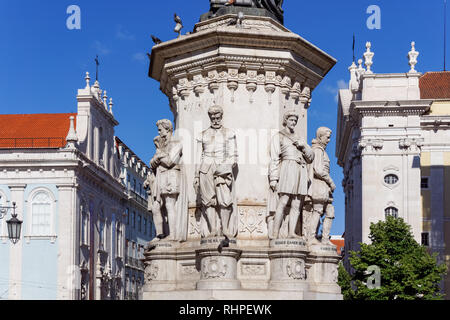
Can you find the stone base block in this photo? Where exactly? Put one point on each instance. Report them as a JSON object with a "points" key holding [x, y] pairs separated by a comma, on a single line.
{"points": [[251, 295], [218, 266], [288, 271]]}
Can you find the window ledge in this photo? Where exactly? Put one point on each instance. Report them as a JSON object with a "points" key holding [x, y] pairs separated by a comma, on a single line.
{"points": [[51, 238]]}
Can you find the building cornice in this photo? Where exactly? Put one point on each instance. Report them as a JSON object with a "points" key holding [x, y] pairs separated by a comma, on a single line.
{"points": [[390, 108]]}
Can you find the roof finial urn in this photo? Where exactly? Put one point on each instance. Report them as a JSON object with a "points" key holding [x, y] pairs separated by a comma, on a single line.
{"points": [[368, 56], [412, 56]]}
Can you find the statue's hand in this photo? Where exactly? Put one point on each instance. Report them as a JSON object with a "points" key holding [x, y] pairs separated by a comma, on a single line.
{"points": [[274, 185], [300, 144], [332, 186], [196, 183]]}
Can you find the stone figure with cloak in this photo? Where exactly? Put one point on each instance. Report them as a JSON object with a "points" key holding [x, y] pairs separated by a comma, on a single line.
{"points": [[167, 187], [216, 169], [322, 188], [289, 179]]}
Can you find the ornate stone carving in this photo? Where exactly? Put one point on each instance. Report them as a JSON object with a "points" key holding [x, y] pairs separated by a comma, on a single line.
{"points": [[252, 220], [213, 268], [296, 269], [194, 224], [248, 269], [411, 144], [189, 269], [151, 272], [412, 56], [368, 56], [370, 144]]}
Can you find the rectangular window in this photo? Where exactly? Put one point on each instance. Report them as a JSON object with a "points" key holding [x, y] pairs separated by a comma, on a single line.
{"points": [[133, 219], [40, 225], [425, 239], [128, 216], [101, 235], [424, 184], [145, 225]]}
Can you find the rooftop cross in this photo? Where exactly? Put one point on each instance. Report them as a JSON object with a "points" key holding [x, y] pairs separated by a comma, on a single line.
{"points": [[97, 63]]}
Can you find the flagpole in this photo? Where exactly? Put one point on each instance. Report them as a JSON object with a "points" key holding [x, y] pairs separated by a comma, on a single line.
{"points": [[445, 33]]}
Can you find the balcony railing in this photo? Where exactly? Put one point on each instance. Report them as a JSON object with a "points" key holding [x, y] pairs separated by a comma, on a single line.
{"points": [[135, 263], [31, 143], [137, 197]]}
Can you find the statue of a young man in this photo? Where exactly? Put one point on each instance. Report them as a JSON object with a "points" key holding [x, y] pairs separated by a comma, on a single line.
{"points": [[170, 194], [214, 177], [288, 175], [322, 188]]}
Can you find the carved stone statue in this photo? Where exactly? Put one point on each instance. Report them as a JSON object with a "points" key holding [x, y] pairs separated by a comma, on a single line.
{"points": [[289, 177], [215, 177], [322, 188], [274, 7], [167, 185]]}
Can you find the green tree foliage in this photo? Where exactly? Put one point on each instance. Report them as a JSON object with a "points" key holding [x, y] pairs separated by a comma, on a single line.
{"points": [[408, 271]]}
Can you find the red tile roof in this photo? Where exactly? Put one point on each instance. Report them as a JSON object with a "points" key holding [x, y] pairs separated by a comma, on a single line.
{"points": [[339, 244], [34, 130], [435, 85]]}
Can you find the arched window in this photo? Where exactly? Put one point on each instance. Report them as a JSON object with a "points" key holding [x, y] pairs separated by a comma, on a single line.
{"points": [[391, 211], [41, 214]]}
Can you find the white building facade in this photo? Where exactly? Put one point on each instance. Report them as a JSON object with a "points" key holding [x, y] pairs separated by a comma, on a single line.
{"points": [[387, 138], [63, 172]]}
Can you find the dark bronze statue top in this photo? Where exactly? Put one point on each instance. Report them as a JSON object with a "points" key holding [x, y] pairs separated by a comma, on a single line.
{"points": [[267, 8]]}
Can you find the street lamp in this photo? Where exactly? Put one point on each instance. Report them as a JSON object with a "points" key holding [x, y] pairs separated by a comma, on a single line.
{"points": [[14, 224]]}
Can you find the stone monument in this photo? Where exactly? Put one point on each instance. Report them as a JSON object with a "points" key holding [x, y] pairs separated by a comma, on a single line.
{"points": [[241, 84]]}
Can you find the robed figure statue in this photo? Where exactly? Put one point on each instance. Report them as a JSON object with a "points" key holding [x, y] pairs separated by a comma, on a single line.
{"points": [[167, 184]]}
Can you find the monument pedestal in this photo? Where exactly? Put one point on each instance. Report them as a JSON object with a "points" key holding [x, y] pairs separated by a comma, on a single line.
{"points": [[159, 265], [323, 272], [256, 70], [287, 258], [218, 268]]}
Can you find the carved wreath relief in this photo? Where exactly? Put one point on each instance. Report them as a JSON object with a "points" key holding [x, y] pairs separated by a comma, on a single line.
{"points": [[296, 269], [213, 268], [151, 272]]}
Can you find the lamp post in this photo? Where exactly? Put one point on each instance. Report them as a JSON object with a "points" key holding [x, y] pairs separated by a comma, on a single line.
{"points": [[14, 224]]}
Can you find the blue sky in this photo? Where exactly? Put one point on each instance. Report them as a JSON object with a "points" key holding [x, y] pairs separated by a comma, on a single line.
{"points": [[42, 63]]}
